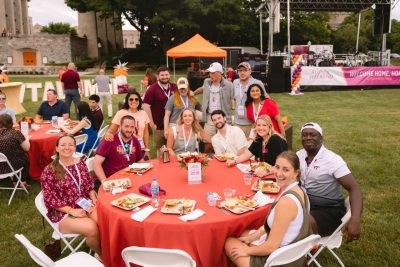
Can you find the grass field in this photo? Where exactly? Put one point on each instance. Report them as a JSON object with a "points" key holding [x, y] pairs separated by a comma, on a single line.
{"points": [[361, 126]]}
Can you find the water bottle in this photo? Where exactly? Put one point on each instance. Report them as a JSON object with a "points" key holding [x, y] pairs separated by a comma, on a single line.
{"points": [[155, 191]]}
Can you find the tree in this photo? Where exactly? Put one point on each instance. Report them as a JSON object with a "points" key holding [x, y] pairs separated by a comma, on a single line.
{"points": [[59, 28]]}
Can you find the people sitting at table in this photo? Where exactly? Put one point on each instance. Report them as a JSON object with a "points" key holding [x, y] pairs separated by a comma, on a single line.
{"points": [[286, 223], [133, 107], [87, 124], [177, 102], [95, 109], [64, 181], [228, 139], [14, 145], [185, 136], [52, 107], [257, 104], [4, 109], [324, 173], [266, 146], [118, 153]]}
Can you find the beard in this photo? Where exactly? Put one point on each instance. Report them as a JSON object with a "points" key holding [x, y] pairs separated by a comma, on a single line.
{"points": [[164, 81], [220, 125], [126, 135]]}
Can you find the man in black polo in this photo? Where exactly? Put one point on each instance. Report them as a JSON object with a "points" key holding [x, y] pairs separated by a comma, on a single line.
{"points": [[52, 107]]}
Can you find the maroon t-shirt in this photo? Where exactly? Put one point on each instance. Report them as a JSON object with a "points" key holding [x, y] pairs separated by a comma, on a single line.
{"points": [[115, 154], [70, 79], [157, 97]]}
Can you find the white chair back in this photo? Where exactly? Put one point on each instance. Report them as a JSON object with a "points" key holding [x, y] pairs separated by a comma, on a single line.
{"points": [[152, 257], [36, 254], [81, 139], [102, 132], [89, 164], [292, 252]]}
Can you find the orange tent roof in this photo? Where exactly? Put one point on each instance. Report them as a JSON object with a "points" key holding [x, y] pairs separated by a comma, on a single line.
{"points": [[196, 46]]}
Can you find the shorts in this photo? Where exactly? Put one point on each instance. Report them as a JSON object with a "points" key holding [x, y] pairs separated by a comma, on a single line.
{"points": [[327, 218], [159, 139], [209, 126]]}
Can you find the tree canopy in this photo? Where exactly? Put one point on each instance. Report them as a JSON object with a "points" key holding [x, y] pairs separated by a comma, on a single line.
{"points": [[59, 28]]}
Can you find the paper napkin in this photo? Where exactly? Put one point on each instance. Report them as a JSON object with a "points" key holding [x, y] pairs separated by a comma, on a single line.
{"points": [[116, 190], [262, 199], [53, 131], [139, 165], [192, 216], [245, 168], [141, 215]]}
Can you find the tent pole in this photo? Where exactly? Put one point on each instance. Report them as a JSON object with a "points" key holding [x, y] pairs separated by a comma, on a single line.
{"points": [[261, 36], [358, 31], [288, 38], [174, 69], [167, 61]]}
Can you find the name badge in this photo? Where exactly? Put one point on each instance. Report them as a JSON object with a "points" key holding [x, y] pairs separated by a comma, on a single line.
{"points": [[241, 111], [84, 203], [141, 142]]}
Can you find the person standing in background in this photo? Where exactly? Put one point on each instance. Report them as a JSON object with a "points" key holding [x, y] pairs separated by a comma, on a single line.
{"points": [[71, 83], [103, 90]]}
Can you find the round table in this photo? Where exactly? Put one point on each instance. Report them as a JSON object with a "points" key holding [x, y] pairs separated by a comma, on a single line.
{"points": [[41, 150], [202, 238]]}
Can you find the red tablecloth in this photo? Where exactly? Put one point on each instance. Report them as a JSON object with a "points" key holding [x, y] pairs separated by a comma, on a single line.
{"points": [[41, 150], [203, 238]]}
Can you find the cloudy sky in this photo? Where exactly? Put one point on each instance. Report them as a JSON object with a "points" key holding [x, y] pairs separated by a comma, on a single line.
{"points": [[45, 11]]}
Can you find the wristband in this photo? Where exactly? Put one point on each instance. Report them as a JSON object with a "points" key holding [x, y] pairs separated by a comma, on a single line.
{"points": [[147, 149]]}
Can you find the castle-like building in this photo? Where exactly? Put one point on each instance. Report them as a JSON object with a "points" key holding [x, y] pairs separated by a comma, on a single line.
{"points": [[23, 50]]}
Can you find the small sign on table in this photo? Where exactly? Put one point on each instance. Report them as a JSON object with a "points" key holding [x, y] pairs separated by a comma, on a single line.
{"points": [[194, 173]]}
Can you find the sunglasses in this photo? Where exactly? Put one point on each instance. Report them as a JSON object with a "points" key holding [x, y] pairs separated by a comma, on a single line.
{"points": [[133, 99], [2, 98]]}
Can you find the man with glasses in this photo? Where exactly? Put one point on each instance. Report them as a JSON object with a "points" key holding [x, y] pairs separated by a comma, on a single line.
{"points": [[240, 87], [323, 174], [4, 109], [52, 107], [154, 104]]}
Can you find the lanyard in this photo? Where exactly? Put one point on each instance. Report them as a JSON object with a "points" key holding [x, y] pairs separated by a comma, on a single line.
{"points": [[186, 143], [164, 91], [258, 111], [242, 92], [186, 104], [122, 144], [77, 184]]}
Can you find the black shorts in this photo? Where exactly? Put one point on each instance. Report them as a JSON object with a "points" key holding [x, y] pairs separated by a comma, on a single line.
{"points": [[327, 218]]}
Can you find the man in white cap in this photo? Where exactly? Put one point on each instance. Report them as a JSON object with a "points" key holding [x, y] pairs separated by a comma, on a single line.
{"points": [[217, 95], [240, 87], [323, 173]]}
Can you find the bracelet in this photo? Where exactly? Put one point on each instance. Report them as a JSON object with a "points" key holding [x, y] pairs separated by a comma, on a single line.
{"points": [[147, 149]]}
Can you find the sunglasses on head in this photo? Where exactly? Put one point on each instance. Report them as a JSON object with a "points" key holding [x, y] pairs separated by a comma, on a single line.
{"points": [[133, 99]]}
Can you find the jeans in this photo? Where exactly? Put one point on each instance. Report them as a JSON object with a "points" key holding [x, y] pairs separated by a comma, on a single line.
{"points": [[72, 95]]}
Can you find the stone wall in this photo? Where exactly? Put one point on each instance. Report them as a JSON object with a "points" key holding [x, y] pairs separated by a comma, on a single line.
{"points": [[79, 48]]}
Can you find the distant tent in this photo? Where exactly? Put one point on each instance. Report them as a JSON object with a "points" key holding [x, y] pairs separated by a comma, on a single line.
{"points": [[196, 46]]}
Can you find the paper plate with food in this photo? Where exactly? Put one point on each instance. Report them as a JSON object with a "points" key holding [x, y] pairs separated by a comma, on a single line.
{"points": [[129, 202], [225, 156], [266, 186], [138, 168], [235, 205], [178, 206], [117, 183]]}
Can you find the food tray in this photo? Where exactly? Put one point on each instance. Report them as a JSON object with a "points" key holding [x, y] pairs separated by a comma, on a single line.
{"points": [[266, 186], [263, 165], [234, 206], [123, 183], [138, 170], [225, 156], [129, 202], [174, 206]]}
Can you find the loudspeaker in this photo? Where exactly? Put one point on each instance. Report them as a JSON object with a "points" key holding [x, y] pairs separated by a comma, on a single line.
{"points": [[276, 76], [381, 19]]}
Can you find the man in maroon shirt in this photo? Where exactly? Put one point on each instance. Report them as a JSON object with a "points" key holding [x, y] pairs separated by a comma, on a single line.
{"points": [[72, 86], [123, 150], [154, 104], [95, 108]]}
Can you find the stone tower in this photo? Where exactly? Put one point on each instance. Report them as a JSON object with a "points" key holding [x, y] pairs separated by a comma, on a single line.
{"points": [[14, 17]]}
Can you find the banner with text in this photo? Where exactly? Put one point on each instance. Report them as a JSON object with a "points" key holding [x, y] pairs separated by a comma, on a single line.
{"points": [[354, 76]]}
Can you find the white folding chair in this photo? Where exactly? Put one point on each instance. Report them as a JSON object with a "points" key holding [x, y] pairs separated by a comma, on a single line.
{"points": [[334, 240], [100, 135], [89, 163], [81, 139], [68, 239], [292, 252], [14, 173], [77, 259], [157, 257]]}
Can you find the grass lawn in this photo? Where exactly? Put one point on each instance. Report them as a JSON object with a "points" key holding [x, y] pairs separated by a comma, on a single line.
{"points": [[358, 125]]}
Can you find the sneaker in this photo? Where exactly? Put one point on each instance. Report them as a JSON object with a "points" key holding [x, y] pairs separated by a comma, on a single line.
{"points": [[27, 186]]}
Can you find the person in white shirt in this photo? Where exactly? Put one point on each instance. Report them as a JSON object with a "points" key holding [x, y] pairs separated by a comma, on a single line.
{"points": [[324, 173], [228, 139]]}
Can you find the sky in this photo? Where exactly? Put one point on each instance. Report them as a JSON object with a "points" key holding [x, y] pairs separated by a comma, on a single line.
{"points": [[45, 11]]}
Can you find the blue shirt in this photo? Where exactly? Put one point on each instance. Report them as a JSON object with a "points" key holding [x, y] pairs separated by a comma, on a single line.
{"points": [[47, 111], [10, 112]]}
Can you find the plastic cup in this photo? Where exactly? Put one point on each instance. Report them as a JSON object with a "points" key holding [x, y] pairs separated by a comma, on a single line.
{"points": [[247, 177], [228, 193], [212, 201]]}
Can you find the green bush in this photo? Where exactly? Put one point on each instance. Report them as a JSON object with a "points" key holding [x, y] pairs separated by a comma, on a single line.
{"points": [[85, 63]]}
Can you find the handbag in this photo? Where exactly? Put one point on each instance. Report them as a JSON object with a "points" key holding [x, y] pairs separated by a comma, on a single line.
{"points": [[52, 250]]}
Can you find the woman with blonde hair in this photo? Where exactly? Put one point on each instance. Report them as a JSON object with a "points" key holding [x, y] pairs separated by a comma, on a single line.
{"points": [[266, 147], [68, 194], [178, 102], [185, 135], [286, 223]]}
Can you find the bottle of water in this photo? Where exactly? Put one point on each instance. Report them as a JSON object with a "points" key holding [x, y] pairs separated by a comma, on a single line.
{"points": [[155, 191]]}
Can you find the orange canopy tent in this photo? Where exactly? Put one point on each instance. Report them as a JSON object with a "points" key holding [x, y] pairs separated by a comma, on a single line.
{"points": [[196, 46]]}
